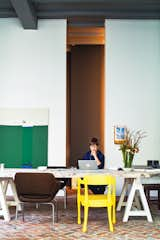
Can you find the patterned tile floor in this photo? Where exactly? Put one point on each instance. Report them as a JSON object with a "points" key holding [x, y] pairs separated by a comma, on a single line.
{"points": [[37, 225]]}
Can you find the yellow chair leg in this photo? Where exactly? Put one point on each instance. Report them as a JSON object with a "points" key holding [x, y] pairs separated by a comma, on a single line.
{"points": [[79, 212], [85, 219], [114, 214], [110, 218]]}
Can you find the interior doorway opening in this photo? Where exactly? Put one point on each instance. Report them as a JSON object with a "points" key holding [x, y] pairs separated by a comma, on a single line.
{"points": [[85, 91]]}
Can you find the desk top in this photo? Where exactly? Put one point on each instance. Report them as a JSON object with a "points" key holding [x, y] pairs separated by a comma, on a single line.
{"points": [[73, 172]]}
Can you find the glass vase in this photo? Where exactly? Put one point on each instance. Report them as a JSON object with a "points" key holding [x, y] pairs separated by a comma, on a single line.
{"points": [[127, 159]]}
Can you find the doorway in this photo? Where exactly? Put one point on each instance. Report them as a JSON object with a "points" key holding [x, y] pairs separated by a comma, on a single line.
{"points": [[85, 98]]}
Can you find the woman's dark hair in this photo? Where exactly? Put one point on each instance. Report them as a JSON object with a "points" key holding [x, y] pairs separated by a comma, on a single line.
{"points": [[94, 141]]}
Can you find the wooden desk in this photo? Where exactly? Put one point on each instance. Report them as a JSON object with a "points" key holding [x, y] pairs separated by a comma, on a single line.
{"points": [[7, 176]]}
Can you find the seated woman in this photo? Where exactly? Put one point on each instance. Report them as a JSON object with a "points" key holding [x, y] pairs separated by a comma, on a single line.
{"points": [[98, 156]]}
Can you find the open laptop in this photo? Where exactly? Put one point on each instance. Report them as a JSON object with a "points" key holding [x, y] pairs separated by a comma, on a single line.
{"points": [[87, 164]]}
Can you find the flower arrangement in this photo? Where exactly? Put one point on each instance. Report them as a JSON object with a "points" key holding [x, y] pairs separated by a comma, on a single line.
{"points": [[130, 146]]}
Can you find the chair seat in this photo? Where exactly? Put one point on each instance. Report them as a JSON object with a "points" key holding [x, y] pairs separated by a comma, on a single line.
{"points": [[37, 198], [99, 200]]}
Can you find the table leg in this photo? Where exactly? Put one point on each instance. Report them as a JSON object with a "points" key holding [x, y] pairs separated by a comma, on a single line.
{"points": [[5, 186], [16, 201], [121, 201], [4, 208], [137, 201], [128, 212]]}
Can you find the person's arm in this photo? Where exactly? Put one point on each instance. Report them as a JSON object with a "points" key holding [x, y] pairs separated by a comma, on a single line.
{"points": [[101, 165], [99, 159]]}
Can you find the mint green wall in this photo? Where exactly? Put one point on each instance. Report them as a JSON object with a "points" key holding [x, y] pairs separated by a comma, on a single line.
{"points": [[132, 70], [20, 145]]}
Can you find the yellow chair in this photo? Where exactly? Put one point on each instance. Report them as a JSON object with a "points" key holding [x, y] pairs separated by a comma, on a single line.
{"points": [[97, 200]]}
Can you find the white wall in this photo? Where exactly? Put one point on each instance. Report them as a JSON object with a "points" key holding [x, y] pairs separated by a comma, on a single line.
{"points": [[33, 75], [133, 85]]}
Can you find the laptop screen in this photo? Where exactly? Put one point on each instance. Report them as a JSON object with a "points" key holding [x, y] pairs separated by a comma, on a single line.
{"points": [[87, 164]]}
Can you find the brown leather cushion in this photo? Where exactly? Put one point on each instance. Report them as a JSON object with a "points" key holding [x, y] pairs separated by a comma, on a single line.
{"points": [[35, 198], [36, 187]]}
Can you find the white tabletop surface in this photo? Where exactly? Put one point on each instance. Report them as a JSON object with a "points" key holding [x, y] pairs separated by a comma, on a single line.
{"points": [[73, 172]]}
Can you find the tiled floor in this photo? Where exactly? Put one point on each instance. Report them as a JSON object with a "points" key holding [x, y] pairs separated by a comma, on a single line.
{"points": [[37, 225]]}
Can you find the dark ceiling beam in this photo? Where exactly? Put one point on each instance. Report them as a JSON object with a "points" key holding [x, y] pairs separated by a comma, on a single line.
{"points": [[79, 12], [98, 1], [26, 13], [72, 1], [6, 13], [120, 5], [115, 14]]}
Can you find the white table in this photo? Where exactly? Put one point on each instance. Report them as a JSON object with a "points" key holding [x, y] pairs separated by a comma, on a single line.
{"points": [[7, 176]]}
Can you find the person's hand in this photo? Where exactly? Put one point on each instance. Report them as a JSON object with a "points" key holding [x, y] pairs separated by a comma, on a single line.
{"points": [[94, 153]]}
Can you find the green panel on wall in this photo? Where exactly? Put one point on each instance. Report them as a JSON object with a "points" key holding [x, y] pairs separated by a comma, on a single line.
{"points": [[11, 146], [23, 146], [40, 146], [27, 145]]}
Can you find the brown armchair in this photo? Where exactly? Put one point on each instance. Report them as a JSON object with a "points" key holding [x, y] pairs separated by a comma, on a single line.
{"points": [[63, 183], [38, 188]]}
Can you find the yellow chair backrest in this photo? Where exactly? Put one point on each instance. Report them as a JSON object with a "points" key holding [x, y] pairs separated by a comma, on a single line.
{"points": [[99, 180]]}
